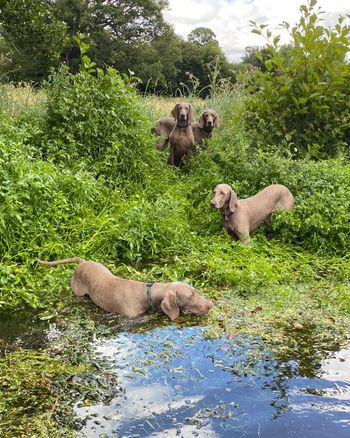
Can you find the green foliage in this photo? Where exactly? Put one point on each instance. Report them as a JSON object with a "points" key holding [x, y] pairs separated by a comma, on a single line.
{"points": [[80, 176], [126, 35], [39, 33], [105, 126], [34, 38], [26, 381], [301, 101], [73, 183], [202, 36]]}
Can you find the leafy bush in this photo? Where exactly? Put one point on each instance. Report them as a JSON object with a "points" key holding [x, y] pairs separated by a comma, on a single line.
{"points": [[97, 118], [301, 102]]}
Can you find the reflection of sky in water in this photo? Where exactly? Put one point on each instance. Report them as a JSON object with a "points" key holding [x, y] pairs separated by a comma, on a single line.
{"points": [[177, 384]]}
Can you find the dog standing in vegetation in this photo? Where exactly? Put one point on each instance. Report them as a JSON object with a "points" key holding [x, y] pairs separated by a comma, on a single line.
{"points": [[163, 128], [132, 298], [181, 138], [203, 130], [244, 216]]}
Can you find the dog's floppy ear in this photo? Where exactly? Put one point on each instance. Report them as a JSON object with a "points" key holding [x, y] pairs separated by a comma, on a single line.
{"points": [[174, 111], [233, 202], [169, 305], [216, 120], [190, 114], [201, 120]]}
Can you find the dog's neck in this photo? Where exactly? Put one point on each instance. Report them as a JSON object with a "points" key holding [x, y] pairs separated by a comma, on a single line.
{"points": [[226, 213], [227, 216], [153, 296], [182, 124], [208, 129], [149, 295]]}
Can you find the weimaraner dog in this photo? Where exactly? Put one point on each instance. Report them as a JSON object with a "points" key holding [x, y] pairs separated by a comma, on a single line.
{"points": [[163, 128], [203, 130], [132, 298], [244, 216], [181, 138]]}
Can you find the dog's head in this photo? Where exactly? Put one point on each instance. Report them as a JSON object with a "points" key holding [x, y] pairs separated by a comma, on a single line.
{"points": [[208, 120], [184, 297], [224, 197], [183, 113]]}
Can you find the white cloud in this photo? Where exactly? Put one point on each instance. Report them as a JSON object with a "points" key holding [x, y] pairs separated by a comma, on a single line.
{"points": [[229, 19]]}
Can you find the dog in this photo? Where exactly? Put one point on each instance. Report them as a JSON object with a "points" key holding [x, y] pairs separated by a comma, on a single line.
{"points": [[181, 138], [132, 298], [203, 130], [163, 128], [244, 216]]}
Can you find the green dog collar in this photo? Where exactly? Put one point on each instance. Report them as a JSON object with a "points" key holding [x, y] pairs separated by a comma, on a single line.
{"points": [[149, 301]]}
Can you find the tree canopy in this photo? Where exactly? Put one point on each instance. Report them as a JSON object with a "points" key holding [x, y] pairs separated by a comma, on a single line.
{"points": [[129, 35]]}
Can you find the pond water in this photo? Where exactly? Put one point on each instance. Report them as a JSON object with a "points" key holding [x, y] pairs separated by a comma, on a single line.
{"points": [[173, 382]]}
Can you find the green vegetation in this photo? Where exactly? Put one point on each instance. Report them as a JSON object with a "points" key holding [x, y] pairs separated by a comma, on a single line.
{"points": [[131, 36], [300, 100], [80, 176]]}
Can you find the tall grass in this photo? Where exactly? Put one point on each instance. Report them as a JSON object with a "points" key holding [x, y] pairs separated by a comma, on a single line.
{"points": [[14, 99]]}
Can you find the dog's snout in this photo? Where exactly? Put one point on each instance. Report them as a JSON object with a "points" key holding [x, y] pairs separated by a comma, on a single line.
{"points": [[207, 306], [212, 204]]}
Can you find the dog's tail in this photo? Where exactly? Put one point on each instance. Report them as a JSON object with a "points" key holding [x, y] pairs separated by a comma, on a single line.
{"points": [[61, 262]]}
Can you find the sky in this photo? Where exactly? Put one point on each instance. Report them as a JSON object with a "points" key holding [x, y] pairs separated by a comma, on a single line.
{"points": [[229, 19]]}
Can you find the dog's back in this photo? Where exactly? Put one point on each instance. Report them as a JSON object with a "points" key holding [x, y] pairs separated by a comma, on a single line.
{"points": [[163, 126], [271, 198]]}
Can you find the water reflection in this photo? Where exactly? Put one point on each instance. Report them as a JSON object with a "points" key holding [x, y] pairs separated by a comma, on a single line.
{"points": [[178, 384]]}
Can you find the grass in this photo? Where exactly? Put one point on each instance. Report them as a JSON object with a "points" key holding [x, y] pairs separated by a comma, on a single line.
{"points": [[15, 99]]}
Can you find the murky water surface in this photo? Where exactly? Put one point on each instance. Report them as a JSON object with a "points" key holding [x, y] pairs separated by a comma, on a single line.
{"points": [[176, 383]]}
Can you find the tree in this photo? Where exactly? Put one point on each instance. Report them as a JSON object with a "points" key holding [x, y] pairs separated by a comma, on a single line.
{"points": [[202, 36], [34, 38], [40, 33]]}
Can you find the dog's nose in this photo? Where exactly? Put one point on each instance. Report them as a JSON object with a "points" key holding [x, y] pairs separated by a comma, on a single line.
{"points": [[212, 204]]}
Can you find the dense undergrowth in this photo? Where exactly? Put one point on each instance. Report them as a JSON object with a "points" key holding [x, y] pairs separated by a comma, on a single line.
{"points": [[80, 176]]}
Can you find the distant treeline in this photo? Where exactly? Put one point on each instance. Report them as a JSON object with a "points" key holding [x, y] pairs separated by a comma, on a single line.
{"points": [[130, 35]]}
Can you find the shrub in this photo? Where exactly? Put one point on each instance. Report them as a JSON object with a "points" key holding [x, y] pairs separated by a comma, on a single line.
{"points": [[97, 118], [301, 102]]}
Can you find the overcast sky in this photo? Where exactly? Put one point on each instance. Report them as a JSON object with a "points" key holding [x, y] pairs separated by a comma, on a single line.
{"points": [[229, 19]]}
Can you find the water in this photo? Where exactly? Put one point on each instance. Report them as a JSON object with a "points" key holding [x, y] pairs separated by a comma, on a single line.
{"points": [[173, 382]]}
